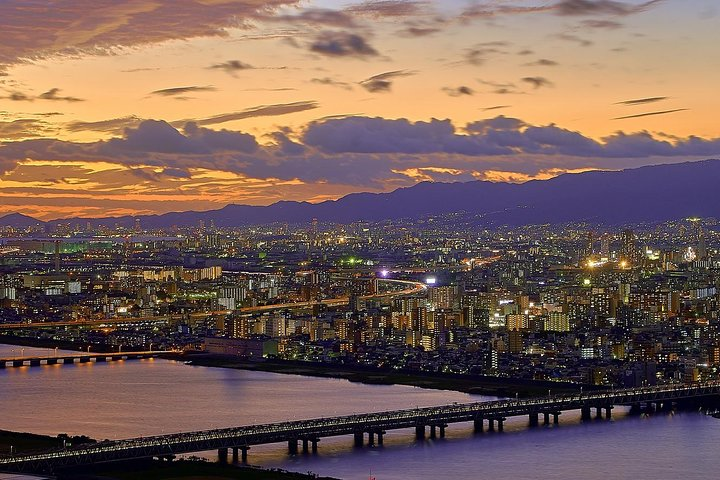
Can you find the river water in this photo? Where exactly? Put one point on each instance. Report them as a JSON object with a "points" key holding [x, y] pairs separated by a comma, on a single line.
{"points": [[147, 397]]}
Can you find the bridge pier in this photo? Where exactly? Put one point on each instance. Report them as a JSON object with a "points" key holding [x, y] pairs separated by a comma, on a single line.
{"points": [[598, 412], [306, 446], [243, 454], [223, 455], [371, 439], [293, 446], [420, 432], [380, 434], [433, 433], [608, 412], [491, 425], [585, 414], [534, 419], [313, 445], [442, 430], [556, 418], [500, 421], [478, 424], [546, 418], [359, 439]]}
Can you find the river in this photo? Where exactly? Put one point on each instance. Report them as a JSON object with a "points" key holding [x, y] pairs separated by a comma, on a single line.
{"points": [[147, 397]]}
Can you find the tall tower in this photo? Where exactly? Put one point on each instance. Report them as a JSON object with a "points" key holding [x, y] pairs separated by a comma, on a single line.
{"points": [[57, 256], [628, 249]]}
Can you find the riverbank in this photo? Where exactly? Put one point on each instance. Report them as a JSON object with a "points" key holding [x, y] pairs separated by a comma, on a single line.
{"points": [[191, 469], [21, 442], [474, 384], [147, 469]]}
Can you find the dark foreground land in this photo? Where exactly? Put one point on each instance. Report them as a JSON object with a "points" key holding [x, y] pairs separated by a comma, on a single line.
{"points": [[188, 469], [146, 469], [475, 384], [19, 443]]}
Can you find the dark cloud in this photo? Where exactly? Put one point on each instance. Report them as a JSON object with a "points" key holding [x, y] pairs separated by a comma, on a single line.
{"points": [[600, 7], [480, 53], [113, 125], [458, 91], [261, 111], [160, 137], [317, 16], [231, 66], [496, 107], [383, 82], [24, 128], [52, 94], [179, 91], [650, 114], [342, 44], [641, 101], [287, 146], [537, 82], [500, 123], [79, 27], [363, 151], [378, 135], [419, 31], [602, 24], [387, 8], [568, 37], [543, 62], [19, 97], [501, 88], [487, 10], [331, 82]]}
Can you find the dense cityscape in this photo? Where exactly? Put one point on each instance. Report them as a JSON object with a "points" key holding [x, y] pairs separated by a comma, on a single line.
{"points": [[615, 306], [359, 239]]}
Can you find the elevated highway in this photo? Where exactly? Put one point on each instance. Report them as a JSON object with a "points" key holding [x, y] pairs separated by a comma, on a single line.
{"points": [[411, 288]]}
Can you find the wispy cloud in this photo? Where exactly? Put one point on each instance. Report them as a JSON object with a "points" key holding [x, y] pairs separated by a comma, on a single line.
{"points": [[460, 91], [641, 101], [260, 111], [650, 114], [600, 7], [50, 95], [176, 91], [538, 82], [383, 82], [231, 66], [342, 44], [332, 82], [113, 125]]}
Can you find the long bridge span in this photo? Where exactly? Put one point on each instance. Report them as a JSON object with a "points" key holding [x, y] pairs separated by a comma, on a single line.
{"points": [[372, 426], [75, 358]]}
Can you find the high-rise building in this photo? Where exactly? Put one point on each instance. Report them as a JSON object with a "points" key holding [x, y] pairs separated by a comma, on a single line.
{"points": [[628, 248]]}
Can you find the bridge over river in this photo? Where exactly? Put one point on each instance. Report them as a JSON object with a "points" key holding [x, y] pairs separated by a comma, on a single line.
{"points": [[370, 426], [75, 358]]}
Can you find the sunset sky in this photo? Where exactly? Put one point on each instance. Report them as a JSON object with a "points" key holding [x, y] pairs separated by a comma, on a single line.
{"points": [[147, 106]]}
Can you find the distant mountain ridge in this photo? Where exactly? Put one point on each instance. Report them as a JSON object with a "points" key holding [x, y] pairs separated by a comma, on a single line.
{"points": [[645, 194]]}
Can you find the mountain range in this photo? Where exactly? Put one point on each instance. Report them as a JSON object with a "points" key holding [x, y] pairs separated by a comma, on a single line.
{"points": [[646, 194]]}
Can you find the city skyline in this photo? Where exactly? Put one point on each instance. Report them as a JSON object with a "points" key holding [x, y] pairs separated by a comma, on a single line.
{"points": [[149, 107]]}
